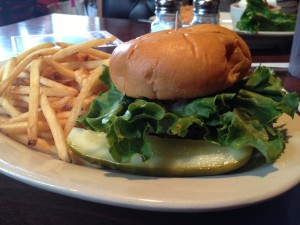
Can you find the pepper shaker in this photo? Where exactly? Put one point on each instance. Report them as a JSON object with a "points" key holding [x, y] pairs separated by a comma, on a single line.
{"points": [[206, 11], [165, 12]]}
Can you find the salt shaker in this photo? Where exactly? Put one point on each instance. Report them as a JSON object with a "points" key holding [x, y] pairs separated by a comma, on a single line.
{"points": [[165, 12], [206, 11]]}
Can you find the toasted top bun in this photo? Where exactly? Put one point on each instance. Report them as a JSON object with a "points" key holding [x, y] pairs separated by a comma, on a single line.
{"points": [[189, 62]]}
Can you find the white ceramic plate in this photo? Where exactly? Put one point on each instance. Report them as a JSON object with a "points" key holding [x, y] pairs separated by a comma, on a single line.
{"points": [[261, 39], [269, 33], [254, 183], [226, 21]]}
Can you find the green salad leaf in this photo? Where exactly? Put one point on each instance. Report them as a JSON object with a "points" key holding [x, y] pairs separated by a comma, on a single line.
{"points": [[259, 17], [241, 116]]}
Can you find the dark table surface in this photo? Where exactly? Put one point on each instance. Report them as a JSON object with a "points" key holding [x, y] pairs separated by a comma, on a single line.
{"points": [[23, 204]]}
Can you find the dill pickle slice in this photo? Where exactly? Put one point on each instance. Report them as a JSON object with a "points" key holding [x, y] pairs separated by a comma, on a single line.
{"points": [[171, 157]]}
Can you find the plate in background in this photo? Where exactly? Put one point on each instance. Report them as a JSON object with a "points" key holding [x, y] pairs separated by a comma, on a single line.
{"points": [[261, 39]]}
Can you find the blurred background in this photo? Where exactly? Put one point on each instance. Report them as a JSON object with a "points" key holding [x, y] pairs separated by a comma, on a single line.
{"points": [[12, 11]]}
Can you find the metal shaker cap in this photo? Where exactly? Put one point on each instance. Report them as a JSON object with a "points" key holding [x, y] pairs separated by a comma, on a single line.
{"points": [[206, 6], [167, 6]]}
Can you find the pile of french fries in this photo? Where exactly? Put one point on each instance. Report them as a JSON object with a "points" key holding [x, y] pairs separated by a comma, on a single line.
{"points": [[46, 88]]}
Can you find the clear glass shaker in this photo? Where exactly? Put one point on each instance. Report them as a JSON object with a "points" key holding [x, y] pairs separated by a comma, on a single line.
{"points": [[166, 15], [206, 12]]}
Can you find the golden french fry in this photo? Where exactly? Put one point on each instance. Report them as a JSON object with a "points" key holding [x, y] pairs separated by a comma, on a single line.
{"points": [[54, 99], [55, 91], [87, 64], [21, 127], [23, 117], [53, 84], [64, 71], [22, 65], [35, 48], [94, 52], [83, 57], [79, 77], [78, 101], [63, 115], [88, 101], [56, 129], [45, 89], [3, 119], [33, 107], [1, 72], [11, 63], [3, 111], [9, 108], [80, 47], [20, 105], [41, 144], [15, 99], [14, 128], [63, 121], [21, 56], [46, 135], [47, 71], [62, 103], [97, 53]]}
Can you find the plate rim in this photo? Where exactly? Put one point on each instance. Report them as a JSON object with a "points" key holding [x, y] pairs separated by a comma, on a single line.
{"points": [[135, 200]]}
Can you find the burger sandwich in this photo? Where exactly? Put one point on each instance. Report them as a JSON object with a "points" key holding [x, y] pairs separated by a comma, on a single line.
{"points": [[183, 103]]}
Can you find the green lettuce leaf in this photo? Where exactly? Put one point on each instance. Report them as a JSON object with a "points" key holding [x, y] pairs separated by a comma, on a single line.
{"points": [[259, 17], [241, 116]]}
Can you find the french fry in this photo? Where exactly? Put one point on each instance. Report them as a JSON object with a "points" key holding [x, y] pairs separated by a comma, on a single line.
{"points": [[23, 117], [53, 84], [62, 103], [80, 47], [63, 115], [20, 105], [41, 144], [27, 52], [22, 65], [19, 98], [11, 63], [79, 77], [64, 71], [55, 91], [3, 119], [1, 72], [6, 71], [47, 71], [47, 136], [35, 48], [97, 53], [9, 108], [33, 107], [44, 90], [21, 127], [78, 102], [87, 64], [3, 111], [88, 101], [56, 129]]}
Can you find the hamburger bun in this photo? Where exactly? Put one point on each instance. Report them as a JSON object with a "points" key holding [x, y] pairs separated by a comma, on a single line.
{"points": [[186, 63]]}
